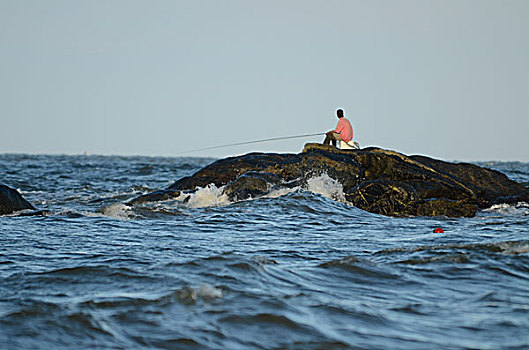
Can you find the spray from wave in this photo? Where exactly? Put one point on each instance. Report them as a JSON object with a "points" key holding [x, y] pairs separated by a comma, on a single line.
{"points": [[327, 187], [117, 211], [209, 196]]}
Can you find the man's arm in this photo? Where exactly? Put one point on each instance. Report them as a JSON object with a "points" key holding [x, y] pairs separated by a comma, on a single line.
{"points": [[339, 127]]}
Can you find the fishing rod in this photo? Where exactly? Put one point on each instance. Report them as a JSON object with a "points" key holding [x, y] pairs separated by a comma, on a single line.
{"points": [[250, 142]]}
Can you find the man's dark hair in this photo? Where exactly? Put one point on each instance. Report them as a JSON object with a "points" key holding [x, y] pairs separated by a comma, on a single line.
{"points": [[339, 113]]}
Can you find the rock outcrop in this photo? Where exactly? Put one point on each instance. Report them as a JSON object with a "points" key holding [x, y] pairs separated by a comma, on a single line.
{"points": [[376, 180], [11, 201]]}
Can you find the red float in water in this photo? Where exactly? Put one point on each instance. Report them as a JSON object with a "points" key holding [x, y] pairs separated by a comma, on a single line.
{"points": [[438, 230]]}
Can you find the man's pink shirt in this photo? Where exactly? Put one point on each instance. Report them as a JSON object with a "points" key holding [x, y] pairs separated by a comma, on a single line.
{"points": [[345, 129]]}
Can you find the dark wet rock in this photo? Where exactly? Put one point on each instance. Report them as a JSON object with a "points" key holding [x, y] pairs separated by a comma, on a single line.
{"points": [[250, 185], [513, 199], [487, 184], [318, 159], [223, 171], [384, 197], [11, 201], [376, 180], [155, 196]]}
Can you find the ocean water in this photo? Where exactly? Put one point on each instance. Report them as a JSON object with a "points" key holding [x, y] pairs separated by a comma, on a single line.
{"points": [[299, 269]]}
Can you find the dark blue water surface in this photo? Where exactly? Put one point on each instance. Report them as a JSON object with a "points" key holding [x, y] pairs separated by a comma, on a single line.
{"points": [[297, 270]]}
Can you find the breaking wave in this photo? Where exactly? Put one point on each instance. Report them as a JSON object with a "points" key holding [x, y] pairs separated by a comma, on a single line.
{"points": [[327, 187], [117, 211], [519, 209], [213, 196], [209, 196]]}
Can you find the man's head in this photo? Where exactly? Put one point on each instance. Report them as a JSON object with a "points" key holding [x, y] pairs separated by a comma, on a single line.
{"points": [[339, 113]]}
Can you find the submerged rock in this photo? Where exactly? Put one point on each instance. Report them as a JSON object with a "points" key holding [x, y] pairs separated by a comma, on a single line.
{"points": [[376, 180], [11, 201]]}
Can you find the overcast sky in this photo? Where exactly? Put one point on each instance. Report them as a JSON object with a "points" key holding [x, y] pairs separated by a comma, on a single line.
{"points": [[448, 79]]}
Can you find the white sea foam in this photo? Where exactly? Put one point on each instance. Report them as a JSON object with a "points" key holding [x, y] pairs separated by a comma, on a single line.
{"points": [[118, 211], [207, 291], [280, 192], [519, 209], [209, 196], [204, 291], [514, 247], [326, 186], [23, 192]]}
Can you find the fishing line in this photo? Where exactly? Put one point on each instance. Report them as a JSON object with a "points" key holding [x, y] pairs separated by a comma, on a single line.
{"points": [[250, 142]]}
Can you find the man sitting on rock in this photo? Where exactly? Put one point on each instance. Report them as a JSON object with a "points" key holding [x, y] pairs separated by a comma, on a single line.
{"points": [[343, 131]]}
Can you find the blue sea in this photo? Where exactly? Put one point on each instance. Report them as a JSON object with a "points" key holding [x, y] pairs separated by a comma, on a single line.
{"points": [[298, 269]]}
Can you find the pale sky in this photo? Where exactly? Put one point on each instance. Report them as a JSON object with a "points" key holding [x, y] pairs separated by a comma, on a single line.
{"points": [[448, 79]]}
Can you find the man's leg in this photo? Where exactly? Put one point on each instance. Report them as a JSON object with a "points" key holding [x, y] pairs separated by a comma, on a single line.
{"points": [[328, 139], [332, 137]]}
